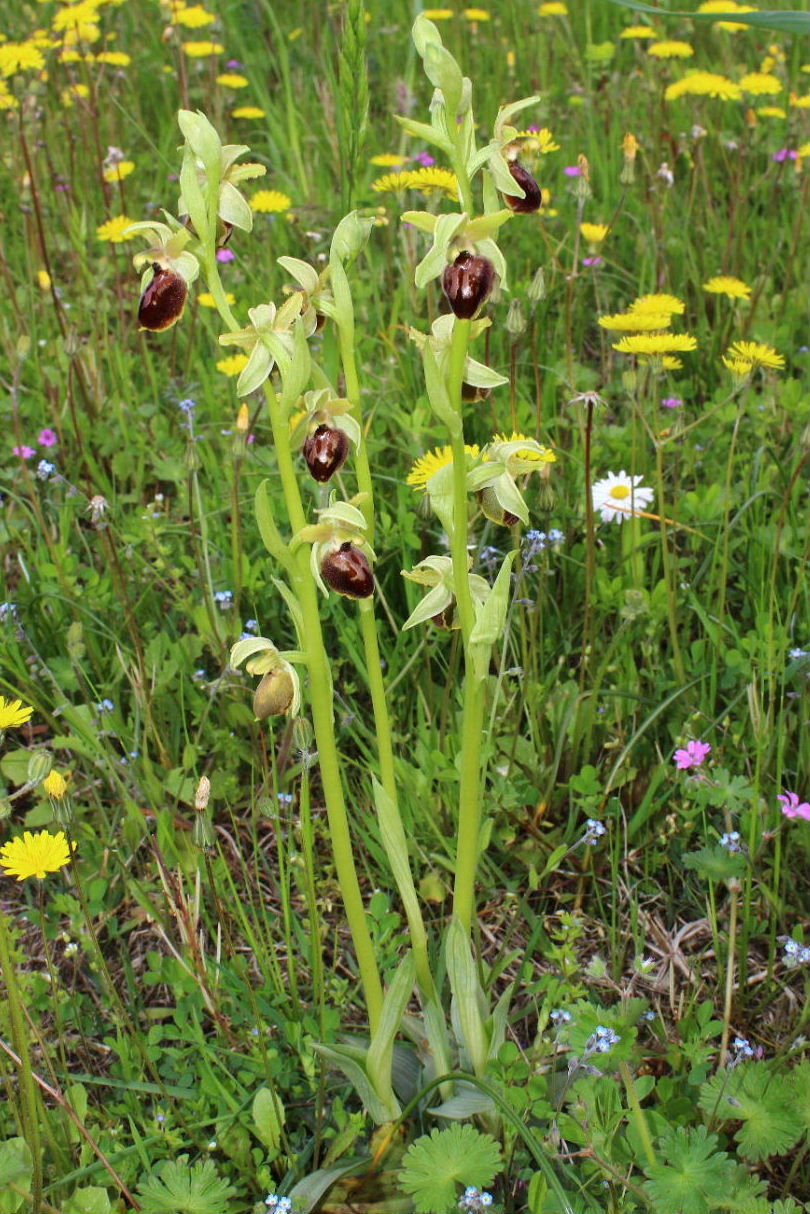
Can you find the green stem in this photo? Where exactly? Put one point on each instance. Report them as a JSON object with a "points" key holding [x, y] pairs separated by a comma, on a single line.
{"points": [[320, 691], [729, 991], [469, 808], [29, 1104], [461, 585], [669, 572]]}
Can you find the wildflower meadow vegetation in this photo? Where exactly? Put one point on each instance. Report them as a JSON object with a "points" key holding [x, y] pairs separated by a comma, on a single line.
{"points": [[404, 636]]}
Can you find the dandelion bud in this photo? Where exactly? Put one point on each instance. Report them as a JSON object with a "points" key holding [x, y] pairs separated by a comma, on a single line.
{"points": [[629, 152], [274, 695], [202, 794], [537, 287], [243, 418], [163, 301], [348, 572], [467, 283], [515, 320], [533, 194], [493, 510], [325, 452]]}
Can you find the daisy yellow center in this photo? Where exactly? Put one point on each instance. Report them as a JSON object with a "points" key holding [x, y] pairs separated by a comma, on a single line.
{"points": [[620, 491]]}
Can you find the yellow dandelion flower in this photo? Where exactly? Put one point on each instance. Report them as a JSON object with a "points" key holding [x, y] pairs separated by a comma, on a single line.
{"points": [[653, 344], [117, 172], [553, 8], [232, 80], [634, 322], [726, 6], [541, 141], [113, 230], [267, 202], [13, 713], [638, 31], [429, 464], [55, 784], [194, 17], [803, 151], [722, 284], [630, 146], [248, 111], [704, 84], [439, 14], [206, 300], [594, 233], [544, 456], [671, 49], [200, 50], [7, 100], [388, 160], [114, 58], [668, 362], [800, 103], [771, 111], [233, 365], [754, 354], [657, 303], [428, 180], [476, 14], [761, 84], [43, 280], [76, 90], [35, 855], [20, 57]]}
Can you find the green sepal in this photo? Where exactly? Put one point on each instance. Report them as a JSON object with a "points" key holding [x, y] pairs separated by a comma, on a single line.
{"points": [[490, 617], [304, 274], [422, 220], [441, 490], [234, 208], [435, 601], [296, 377], [483, 226], [435, 260]]}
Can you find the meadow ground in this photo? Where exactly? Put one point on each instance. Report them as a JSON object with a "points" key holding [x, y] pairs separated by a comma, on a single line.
{"points": [[482, 887]]}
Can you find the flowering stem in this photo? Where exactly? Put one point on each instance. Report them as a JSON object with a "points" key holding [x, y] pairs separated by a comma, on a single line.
{"points": [[666, 560], [29, 1105], [590, 544], [461, 585], [320, 690], [733, 888]]}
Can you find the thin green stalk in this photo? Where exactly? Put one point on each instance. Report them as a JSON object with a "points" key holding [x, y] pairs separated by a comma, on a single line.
{"points": [[458, 358], [638, 1113], [728, 1001], [29, 1102], [669, 572], [320, 689]]}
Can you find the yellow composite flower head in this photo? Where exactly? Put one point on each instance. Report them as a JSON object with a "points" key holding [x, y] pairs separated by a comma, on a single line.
{"points": [[20, 57], [429, 180], [544, 456], [114, 58], [439, 14], [704, 84], [114, 230], [594, 233], [671, 49], [761, 84], [635, 322], [55, 784], [201, 50], [476, 14], [723, 284], [654, 344], [431, 462], [658, 303], [13, 712], [234, 364], [752, 354], [232, 80], [35, 855], [117, 172], [541, 141], [268, 202], [248, 111], [388, 160], [771, 111], [638, 31], [553, 8], [193, 17]]}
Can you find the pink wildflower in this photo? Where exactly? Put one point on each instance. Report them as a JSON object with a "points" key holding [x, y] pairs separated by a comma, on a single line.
{"points": [[792, 807], [48, 438], [24, 452], [692, 755], [225, 255]]}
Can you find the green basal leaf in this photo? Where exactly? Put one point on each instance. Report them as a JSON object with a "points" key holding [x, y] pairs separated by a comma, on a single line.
{"points": [[381, 1050], [351, 1060], [268, 1118], [468, 997]]}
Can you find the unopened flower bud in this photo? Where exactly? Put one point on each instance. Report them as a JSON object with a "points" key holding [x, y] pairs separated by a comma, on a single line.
{"points": [[493, 510], [348, 572], [537, 288], [515, 320], [325, 452], [533, 194], [629, 152], [274, 695], [202, 794], [243, 418], [467, 283], [163, 301]]}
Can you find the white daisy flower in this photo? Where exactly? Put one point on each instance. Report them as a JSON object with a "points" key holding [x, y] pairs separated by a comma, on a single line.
{"points": [[618, 496]]}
